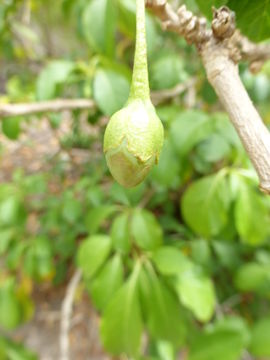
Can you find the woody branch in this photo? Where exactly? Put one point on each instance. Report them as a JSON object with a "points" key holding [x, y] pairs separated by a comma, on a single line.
{"points": [[221, 48]]}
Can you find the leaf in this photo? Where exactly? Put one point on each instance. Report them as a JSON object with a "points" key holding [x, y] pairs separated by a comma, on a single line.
{"points": [[214, 148], [11, 127], [121, 324], [234, 323], [92, 253], [38, 258], [253, 277], [260, 345], [127, 24], [205, 205], [99, 25], [164, 318], [201, 252], [56, 72], [96, 216], [145, 230], [71, 210], [197, 293], [220, 344], [252, 18], [6, 236], [251, 216], [188, 129], [170, 261], [127, 17], [167, 171], [227, 254], [111, 90], [107, 282], [167, 71], [14, 351], [10, 313], [12, 211], [120, 233], [224, 128], [205, 6]]}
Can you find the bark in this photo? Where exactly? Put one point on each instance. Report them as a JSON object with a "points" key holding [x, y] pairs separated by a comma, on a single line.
{"points": [[221, 49], [223, 75], [10, 110]]}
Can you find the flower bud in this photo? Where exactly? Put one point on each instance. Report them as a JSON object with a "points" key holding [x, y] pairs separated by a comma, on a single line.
{"points": [[133, 141]]}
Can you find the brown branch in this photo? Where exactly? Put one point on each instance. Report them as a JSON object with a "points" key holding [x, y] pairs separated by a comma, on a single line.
{"points": [[66, 312], [221, 51], [255, 54], [160, 96], [58, 105], [191, 27], [194, 30], [10, 110]]}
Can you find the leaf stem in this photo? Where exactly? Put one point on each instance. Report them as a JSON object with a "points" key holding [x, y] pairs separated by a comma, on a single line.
{"points": [[140, 84]]}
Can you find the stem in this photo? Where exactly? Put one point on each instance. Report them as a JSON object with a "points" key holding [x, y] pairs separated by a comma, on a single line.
{"points": [[140, 84], [223, 75], [10, 110]]}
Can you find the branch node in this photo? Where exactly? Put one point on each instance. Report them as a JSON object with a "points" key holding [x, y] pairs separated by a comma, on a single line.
{"points": [[223, 24]]}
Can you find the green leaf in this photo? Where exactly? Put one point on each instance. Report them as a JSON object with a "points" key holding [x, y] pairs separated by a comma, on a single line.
{"points": [[170, 261], [121, 324], [71, 210], [224, 128], [120, 233], [205, 205], [201, 252], [99, 25], [107, 282], [220, 344], [234, 323], [96, 216], [92, 253], [214, 148], [145, 230], [10, 312], [205, 6], [164, 318], [56, 72], [10, 350], [127, 17], [167, 171], [252, 18], [6, 237], [127, 24], [253, 277], [111, 90], [167, 71], [260, 345], [188, 129], [197, 293], [227, 254], [12, 211], [11, 127], [38, 258], [251, 216]]}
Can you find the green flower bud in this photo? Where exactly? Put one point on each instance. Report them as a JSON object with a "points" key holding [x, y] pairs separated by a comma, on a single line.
{"points": [[134, 135], [132, 142]]}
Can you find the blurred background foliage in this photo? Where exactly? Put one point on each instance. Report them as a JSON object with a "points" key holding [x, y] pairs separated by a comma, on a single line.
{"points": [[183, 257]]}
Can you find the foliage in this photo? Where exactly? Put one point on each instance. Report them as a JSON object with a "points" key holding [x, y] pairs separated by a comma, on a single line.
{"points": [[183, 256]]}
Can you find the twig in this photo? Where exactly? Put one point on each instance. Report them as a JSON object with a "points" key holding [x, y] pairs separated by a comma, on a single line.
{"points": [[66, 312], [10, 110], [163, 95], [255, 54], [220, 53]]}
